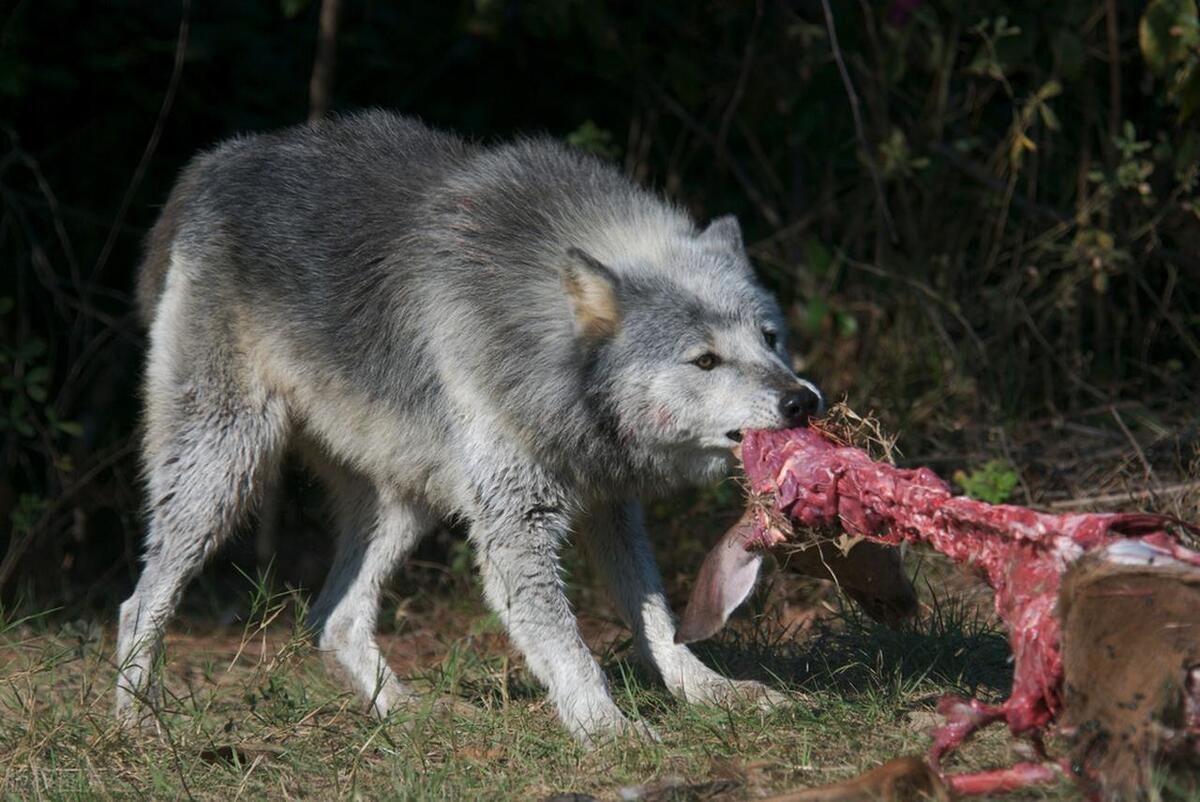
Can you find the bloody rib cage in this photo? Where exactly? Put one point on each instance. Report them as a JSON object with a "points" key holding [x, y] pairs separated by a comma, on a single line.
{"points": [[801, 479]]}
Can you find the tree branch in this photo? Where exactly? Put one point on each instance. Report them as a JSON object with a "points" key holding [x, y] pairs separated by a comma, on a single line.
{"points": [[856, 113], [320, 86]]}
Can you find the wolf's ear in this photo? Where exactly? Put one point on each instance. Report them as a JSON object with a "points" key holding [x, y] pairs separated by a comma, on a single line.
{"points": [[723, 232], [592, 290], [726, 578]]}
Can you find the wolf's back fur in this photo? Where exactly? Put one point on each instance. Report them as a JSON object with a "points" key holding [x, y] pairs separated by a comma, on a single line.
{"points": [[443, 329], [326, 235]]}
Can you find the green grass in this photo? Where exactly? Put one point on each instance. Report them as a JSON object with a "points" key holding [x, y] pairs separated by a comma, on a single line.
{"points": [[252, 714]]}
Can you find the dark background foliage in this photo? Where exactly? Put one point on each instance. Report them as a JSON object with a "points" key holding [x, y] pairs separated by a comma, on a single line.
{"points": [[1006, 233]]}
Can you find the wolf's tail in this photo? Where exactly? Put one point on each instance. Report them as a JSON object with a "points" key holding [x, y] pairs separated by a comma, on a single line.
{"points": [[156, 256]]}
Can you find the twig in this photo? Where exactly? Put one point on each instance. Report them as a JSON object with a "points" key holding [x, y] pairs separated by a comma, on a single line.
{"points": [[20, 543], [1137, 448], [1114, 70], [856, 113], [51, 201], [1006, 447], [10, 23], [1185, 336], [320, 86], [1178, 489], [927, 291], [71, 212], [752, 191], [760, 156], [1052, 352], [739, 88], [1065, 222], [151, 144]]}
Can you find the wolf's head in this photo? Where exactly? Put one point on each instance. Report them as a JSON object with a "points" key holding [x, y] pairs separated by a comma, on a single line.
{"points": [[687, 349]]}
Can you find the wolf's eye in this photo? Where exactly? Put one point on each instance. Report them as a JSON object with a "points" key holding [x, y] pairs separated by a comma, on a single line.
{"points": [[770, 338], [707, 361]]}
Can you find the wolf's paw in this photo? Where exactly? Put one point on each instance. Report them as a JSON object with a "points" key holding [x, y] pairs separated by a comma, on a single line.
{"points": [[138, 717], [751, 692], [136, 710], [629, 728], [603, 724], [692, 681], [416, 712], [393, 697], [720, 691]]}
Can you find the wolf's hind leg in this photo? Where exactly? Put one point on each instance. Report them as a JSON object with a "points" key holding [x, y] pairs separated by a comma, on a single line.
{"points": [[210, 454], [376, 534], [616, 543]]}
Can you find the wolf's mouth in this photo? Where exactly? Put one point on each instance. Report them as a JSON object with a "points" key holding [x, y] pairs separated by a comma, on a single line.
{"points": [[734, 435]]}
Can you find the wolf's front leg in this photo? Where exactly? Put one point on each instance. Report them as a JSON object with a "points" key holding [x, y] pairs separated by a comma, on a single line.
{"points": [[616, 542], [517, 539]]}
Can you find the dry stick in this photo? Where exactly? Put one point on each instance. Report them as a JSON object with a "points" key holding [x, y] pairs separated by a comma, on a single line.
{"points": [[320, 86], [1185, 336], [1137, 448], [18, 544], [739, 88], [1114, 69], [1114, 498], [1008, 455], [1053, 354], [51, 201], [151, 145], [633, 141], [1183, 260], [760, 155], [757, 197], [927, 291], [856, 113]]}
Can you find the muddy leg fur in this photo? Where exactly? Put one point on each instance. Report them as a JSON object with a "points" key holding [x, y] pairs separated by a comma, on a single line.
{"points": [[615, 540], [376, 533]]}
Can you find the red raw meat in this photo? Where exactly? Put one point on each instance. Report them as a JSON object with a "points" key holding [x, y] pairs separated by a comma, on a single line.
{"points": [[800, 478]]}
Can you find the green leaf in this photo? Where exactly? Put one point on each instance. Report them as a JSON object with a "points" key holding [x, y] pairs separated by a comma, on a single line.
{"points": [[1186, 91], [594, 139], [69, 427], [1158, 32], [1187, 151], [31, 349], [293, 8], [814, 315], [817, 257], [847, 324], [993, 482], [1049, 117], [1048, 90], [1070, 54]]}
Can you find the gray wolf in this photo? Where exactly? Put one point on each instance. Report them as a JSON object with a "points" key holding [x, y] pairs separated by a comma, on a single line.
{"points": [[515, 336]]}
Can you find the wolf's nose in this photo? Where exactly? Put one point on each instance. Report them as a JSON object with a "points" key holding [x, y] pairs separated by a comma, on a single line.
{"points": [[797, 406]]}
